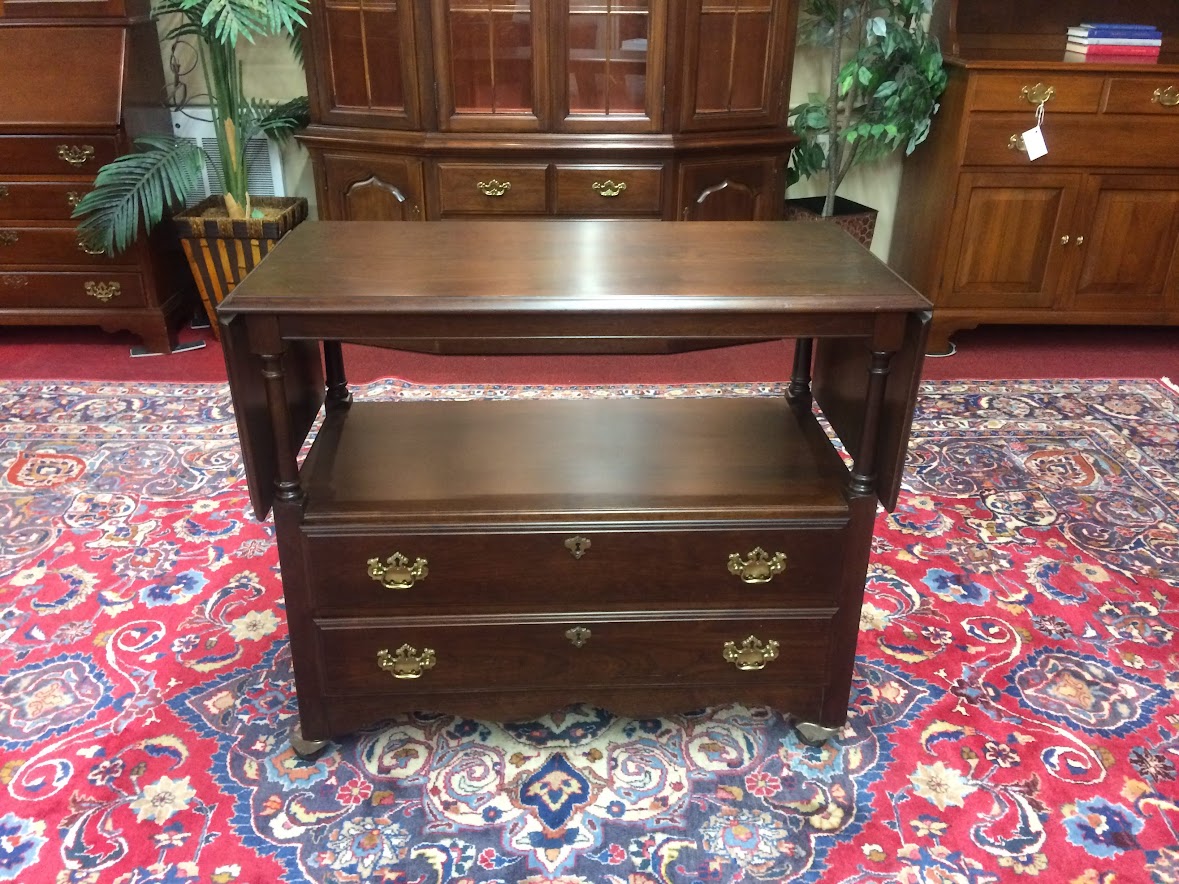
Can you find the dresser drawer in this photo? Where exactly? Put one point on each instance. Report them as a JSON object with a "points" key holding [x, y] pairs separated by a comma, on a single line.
{"points": [[1071, 93], [492, 189], [359, 657], [73, 155], [42, 88], [40, 200], [71, 290], [1143, 95], [580, 569], [609, 190], [25, 244], [1072, 140]]}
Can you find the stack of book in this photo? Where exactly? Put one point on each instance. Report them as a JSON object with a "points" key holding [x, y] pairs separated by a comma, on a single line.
{"points": [[1115, 41]]}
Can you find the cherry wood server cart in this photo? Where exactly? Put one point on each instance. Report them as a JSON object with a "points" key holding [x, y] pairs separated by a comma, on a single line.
{"points": [[505, 558]]}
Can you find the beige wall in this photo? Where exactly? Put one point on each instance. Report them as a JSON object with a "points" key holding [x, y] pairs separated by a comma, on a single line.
{"points": [[272, 72]]}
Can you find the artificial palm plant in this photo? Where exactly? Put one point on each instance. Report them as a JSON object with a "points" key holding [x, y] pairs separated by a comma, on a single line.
{"points": [[885, 75], [133, 192]]}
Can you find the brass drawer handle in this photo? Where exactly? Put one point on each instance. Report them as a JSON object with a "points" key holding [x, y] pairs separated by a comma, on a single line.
{"points": [[3, 191], [75, 155], [9, 237], [103, 291], [494, 187], [609, 188], [578, 635], [578, 546], [14, 282], [1015, 142], [407, 662], [1037, 94], [759, 567], [1064, 240], [752, 653], [397, 571], [73, 198], [1167, 96], [84, 246], [1080, 240]]}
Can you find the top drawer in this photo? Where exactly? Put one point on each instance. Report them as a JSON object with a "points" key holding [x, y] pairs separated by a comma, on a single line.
{"points": [[80, 155], [40, 88], [1070, 93], [1143, 95], [493, 189], [16, 9], [609, 190]]}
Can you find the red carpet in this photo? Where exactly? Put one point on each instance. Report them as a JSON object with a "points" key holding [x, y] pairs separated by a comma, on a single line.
{"points": [[988, 352]]}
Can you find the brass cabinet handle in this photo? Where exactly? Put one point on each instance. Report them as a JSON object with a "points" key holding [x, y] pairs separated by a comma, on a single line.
{"points": [[1064, 240], [75, 155], [759, 567], [103, 291], [609, 188], [578, 635], [3, 191], [494, 187], [84, 246], [9, 237], [1080, 240], [407, 662], [578, 546], [14, 282], [397, 571], [1167, 96], [752, 654], [1037, 94], [1015, 142]]}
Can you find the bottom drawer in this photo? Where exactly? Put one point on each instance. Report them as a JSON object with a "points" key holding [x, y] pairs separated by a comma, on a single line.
{"points": [[431, 656], [72, 290]]}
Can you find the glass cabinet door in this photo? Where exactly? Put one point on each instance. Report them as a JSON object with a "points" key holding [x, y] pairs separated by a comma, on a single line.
{"points": [[738, 53], [372, 75], [612, 61], [490, 72]]}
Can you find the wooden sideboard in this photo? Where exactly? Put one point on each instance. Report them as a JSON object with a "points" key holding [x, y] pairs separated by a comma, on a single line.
{"points": [[431, 109], [506, 558], [81, 80], [1088, 233]]}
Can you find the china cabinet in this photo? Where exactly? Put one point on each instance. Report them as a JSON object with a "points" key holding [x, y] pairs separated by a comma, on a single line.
{"points": [[660, 109], [1087, 233], [81, 79]]}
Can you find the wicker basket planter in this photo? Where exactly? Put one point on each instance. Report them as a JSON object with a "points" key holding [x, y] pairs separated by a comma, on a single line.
{"points": [[858, 220], [221, 251]]}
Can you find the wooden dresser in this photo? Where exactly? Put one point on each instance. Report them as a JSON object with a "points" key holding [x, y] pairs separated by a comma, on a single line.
{"points": [[78, 80], [430, 109], [1086, 234], [505, 558]]}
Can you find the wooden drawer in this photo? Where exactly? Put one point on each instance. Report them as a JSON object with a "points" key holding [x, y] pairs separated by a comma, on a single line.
{"points": [[1143, 95], [492, 189], [543, 653], [75, 155], [38, 291], [534, 571], [1073, 140], [43, 89], [39, 200], [24, 244], [609, 190], [1071, 93]]}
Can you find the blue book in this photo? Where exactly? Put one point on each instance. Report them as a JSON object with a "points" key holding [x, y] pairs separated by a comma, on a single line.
{"points": [[1097, 29]]}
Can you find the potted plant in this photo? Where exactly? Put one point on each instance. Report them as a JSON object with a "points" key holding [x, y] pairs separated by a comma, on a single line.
{"points": [[884, 76], [133, 193]]}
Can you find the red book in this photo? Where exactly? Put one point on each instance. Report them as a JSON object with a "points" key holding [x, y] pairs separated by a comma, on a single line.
{"points": [[1104, 49]]}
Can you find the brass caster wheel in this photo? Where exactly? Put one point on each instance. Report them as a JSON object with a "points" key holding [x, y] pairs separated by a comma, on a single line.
{"points": [[814, 734], [306, 749]]}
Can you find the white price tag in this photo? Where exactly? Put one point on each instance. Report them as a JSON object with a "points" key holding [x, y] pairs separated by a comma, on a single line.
{"points": [[1033, 141]]}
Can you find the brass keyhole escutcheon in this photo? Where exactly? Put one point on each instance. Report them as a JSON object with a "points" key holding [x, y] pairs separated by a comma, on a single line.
{"points": [[578, 546], [406, 662], [752, 654], [578, 635], [758, 567], [494, 187], [398, 571]]}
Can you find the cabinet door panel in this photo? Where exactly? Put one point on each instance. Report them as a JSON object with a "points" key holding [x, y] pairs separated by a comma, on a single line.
{"points": [[1005, 248], [1131, 232], [734, 190], [363, 188]]}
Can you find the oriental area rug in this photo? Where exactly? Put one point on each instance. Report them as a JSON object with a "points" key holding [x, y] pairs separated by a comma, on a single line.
{"points": [[1014, 713]]}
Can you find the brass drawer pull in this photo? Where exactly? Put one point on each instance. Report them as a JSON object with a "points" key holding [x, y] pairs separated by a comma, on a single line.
{"points": [[609, 188], [578, 546], [1064, 240], [84, 246], [578, 635], [1167, 96], [752, 653], [494, 187], [1080, 240], [103, 291], [73, 198], [407, 662], [3, 191], [1015, 142], [75, 155], [759, 567], [397, 572], [14, 282], [1037, 94], [9, 237]]}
